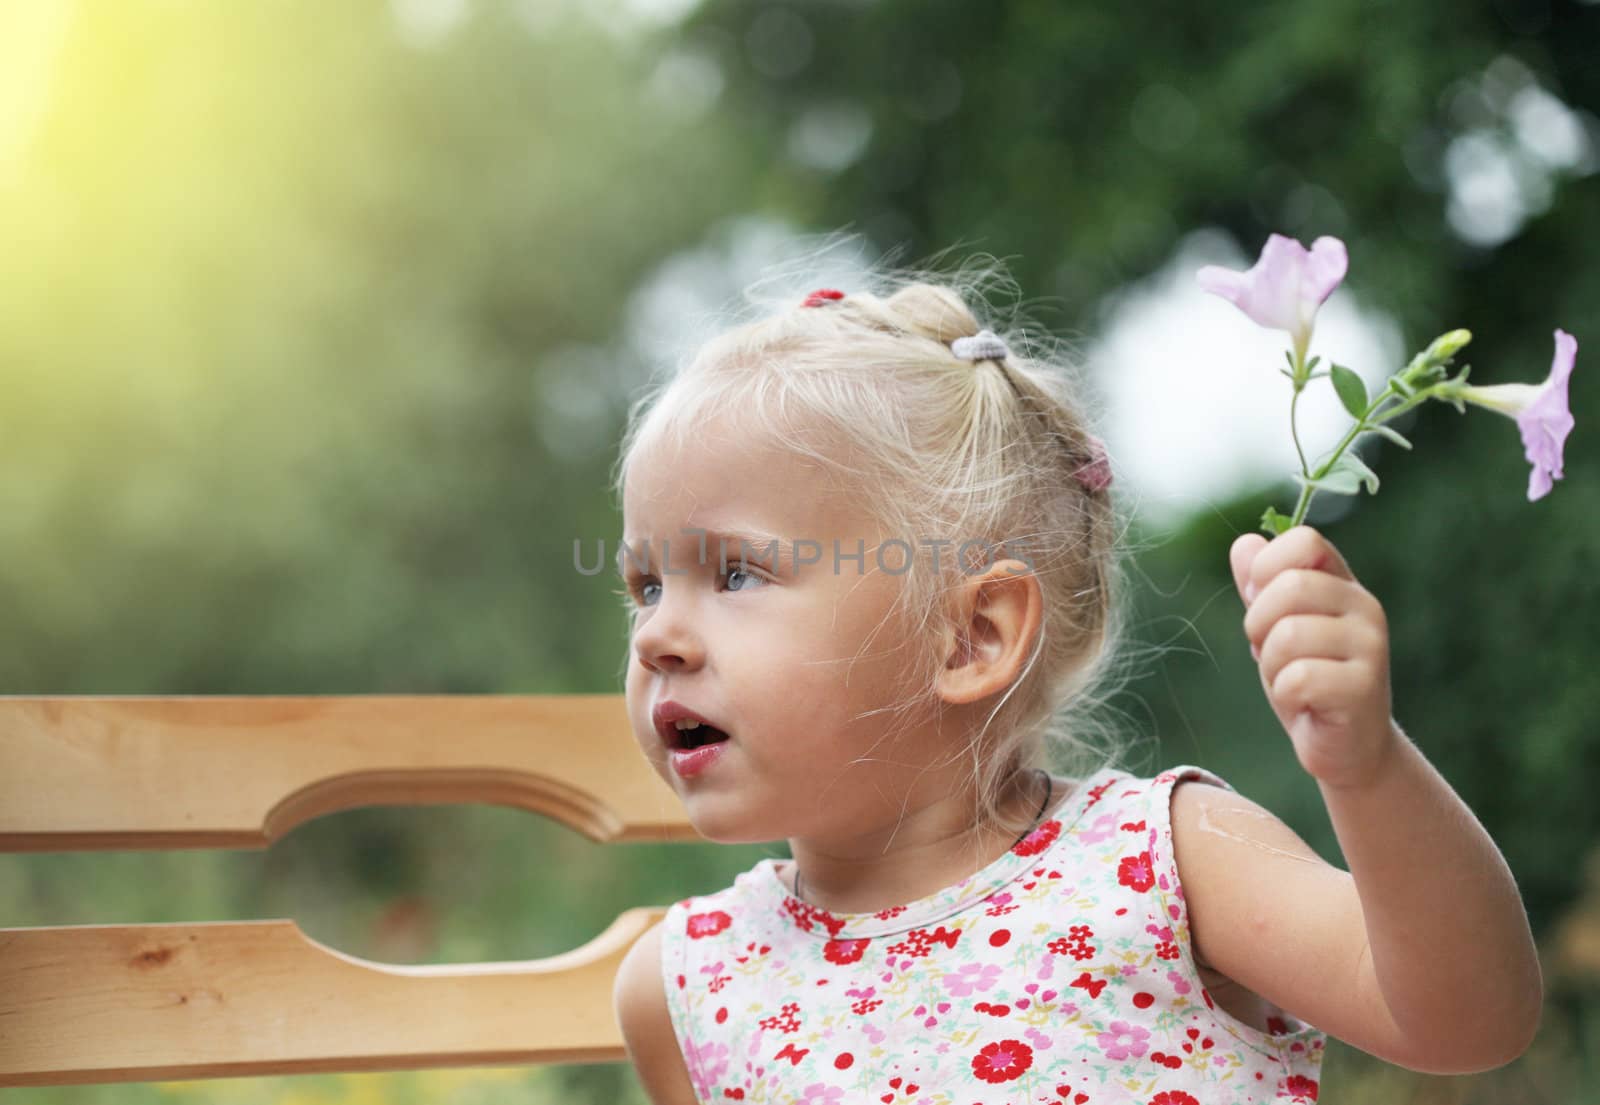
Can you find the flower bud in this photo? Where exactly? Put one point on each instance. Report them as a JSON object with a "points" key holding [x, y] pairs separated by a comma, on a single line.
{"points": [[1446, 346]]}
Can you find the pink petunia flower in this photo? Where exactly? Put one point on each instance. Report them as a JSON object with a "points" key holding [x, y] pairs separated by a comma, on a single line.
{"points": [[1285, 287], [1541, 411]]}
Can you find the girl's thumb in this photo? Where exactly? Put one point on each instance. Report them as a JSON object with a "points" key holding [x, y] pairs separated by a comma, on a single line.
{"points": [[1241, 555]]}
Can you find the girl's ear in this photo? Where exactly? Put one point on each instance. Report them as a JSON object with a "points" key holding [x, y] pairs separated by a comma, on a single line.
{"points": [[997, 615]]}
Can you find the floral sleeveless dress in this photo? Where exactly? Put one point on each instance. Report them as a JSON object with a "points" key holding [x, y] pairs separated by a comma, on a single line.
{"points": [[1060, 973]]}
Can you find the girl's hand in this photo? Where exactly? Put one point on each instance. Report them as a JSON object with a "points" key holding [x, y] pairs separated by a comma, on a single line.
{"points": [[1322, 642]]}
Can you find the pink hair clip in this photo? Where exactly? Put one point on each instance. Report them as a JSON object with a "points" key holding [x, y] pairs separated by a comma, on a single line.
{"points": [[1095, 473], [821, 296]]}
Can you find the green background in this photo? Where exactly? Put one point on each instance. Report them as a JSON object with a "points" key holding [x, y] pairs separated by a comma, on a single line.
{"points": [[319, 322]]}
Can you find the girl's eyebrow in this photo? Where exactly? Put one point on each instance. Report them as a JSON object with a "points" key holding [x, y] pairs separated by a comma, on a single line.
{"points": [[752, 546]]}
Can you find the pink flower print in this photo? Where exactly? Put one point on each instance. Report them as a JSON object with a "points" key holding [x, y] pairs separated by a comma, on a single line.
{"points": [[1104, 828], [1541, 410], [1001, 905], [1178, 982], [817, 1092], [710, 1064], [1123, 1041], [970, 978]]}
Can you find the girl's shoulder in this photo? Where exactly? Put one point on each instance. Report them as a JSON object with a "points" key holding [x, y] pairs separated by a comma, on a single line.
{"points": [[1118, 788]]}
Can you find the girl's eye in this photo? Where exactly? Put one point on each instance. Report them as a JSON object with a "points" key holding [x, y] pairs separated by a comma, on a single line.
{"points": [[640, 587], [743, 574]]}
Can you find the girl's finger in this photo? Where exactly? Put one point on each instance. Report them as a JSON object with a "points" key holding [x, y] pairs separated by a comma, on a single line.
{"points": [[1300, 547], [1306, 637], [1297, 591], [1317, 683]]}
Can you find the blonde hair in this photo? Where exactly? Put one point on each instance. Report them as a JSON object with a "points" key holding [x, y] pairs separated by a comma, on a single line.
{"points": [[867, 387]]}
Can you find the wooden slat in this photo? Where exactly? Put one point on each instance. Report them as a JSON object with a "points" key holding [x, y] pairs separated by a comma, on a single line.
{"points": [[104, 772], [126, 1003]]}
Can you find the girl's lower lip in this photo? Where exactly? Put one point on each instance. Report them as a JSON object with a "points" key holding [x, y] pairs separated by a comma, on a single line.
{"points": [[692, 761]]}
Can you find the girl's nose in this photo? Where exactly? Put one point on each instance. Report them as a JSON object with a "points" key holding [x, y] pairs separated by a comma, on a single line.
{"points": [[668, 638]]}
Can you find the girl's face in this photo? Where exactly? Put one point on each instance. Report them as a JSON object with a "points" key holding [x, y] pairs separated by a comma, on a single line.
{"points": [[766, 656]]}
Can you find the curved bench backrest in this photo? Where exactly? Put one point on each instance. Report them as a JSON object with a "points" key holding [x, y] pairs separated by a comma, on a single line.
{"points": [[141, 1002]]}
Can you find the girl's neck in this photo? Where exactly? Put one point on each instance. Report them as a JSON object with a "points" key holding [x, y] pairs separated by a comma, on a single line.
{"points": [[920, 868]]}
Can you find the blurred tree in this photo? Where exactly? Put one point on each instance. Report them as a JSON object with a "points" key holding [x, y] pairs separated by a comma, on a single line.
{"points": [[313, 349]]}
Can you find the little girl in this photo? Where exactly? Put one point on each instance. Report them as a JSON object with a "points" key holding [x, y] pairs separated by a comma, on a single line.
{"points": [[872, 556]]}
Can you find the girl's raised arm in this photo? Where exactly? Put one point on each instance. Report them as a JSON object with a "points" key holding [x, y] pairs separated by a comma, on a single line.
{"points": [[1421, 953], [1427, 964]]}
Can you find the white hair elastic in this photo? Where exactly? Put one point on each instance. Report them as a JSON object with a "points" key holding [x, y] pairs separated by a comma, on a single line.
{"points": [[985, 345]]}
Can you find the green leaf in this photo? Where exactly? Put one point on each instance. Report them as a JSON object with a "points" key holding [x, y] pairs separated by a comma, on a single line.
{"points": [[1350, 463], [1273, 522], [1340, 481], [1352, 390], [1313, 362], [1392, 435]]}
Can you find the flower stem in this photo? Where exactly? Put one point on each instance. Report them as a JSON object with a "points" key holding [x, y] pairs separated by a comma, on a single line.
{"points": [[1299, 386], [1369, 418]]}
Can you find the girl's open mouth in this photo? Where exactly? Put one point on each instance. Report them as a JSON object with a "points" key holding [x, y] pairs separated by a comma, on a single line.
{"points": [[698, 735], [692, 760]]}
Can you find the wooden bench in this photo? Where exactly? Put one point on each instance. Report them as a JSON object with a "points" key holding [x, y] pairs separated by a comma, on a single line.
{"points": [[142, 1002]]}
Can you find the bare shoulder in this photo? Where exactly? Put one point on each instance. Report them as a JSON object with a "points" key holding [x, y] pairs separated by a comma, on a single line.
{"points": [[640, 1001], [1240, 867], [1274, 917]]}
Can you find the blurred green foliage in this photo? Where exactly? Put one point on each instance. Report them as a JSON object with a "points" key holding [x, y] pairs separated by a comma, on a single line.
{"points": [[315, 349]]}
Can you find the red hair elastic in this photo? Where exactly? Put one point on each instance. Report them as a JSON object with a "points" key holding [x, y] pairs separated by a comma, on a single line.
{"points": [[821, 296]]}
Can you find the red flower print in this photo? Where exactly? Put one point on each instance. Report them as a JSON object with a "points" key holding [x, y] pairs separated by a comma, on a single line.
{"points": [[785, 1020], [919, 942], [1038, 840], [1174, 1097], [805, 916], [1299, 1088], [844, 951], [1096, 793], [707, 924], [1002, 1061], [1075, 943], [1136, 873]]}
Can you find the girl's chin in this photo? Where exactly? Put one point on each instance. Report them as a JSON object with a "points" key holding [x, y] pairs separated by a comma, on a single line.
{"points": [[722, 821]]}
